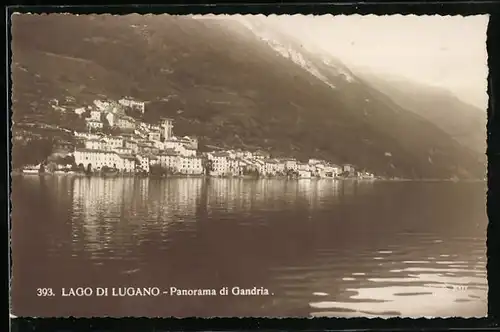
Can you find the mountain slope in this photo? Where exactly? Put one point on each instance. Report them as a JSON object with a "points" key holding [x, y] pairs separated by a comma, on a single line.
{"points": [[225, 85], [464, 122]]}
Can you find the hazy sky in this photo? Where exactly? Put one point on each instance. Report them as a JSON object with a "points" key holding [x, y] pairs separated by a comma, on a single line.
{"points": [[445, 51]]}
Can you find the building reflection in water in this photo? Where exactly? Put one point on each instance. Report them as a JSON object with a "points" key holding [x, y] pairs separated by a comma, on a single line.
{"points": [[269, 194], [105, 209], [325, 248]]}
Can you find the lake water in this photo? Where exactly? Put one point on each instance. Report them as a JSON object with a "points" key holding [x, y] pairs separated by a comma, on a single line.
{"points": [[321, 247]]}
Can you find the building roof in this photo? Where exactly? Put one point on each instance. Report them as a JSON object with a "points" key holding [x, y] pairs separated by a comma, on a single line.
{"points": [[220, 154], [94, 150], [150, 156], [126, 156], [262, 153], [169, 152], [191, 157], [273, 161]]}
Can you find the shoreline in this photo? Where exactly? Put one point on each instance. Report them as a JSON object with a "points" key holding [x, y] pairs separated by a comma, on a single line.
{"points": [[180, 176]]}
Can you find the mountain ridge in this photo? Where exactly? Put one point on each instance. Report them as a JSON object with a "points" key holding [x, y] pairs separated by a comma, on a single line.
{"points": [[230, 90], [463, 121]]}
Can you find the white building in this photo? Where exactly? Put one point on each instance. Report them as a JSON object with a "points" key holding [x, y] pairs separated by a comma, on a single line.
{"points": [[129, 102], [96, 158], [220, 163], [95, 115], [95, 144], [94, 124], [190, 165], [169, 159], [113, 142]]}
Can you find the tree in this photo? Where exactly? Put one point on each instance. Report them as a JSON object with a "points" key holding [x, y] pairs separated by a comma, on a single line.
{"points": [[104, 120], [208, 165], [156, 169], [51, 167], [137, 163], [66, 160], [32, 151], [89, 169]]}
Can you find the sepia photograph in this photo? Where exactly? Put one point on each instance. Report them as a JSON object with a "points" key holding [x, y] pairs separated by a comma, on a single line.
{"points": [[248, 166]]}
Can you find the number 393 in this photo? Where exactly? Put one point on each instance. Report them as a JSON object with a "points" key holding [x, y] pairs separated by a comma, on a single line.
{"points": [[44, 292]]}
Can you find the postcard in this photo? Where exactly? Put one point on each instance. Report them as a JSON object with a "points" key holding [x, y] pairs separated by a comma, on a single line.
{"points": [[248, 166]]}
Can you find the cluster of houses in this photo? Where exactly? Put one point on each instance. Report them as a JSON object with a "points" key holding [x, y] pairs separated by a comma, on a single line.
{"points": [[113, 112], [147, 146], [247, 163], [143, 147]]}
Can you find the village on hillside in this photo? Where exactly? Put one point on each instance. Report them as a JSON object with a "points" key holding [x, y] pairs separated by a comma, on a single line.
{"points": [[115, 143]]}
